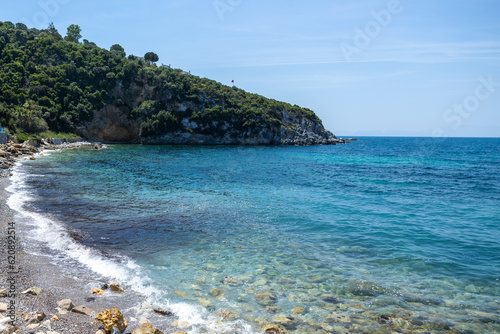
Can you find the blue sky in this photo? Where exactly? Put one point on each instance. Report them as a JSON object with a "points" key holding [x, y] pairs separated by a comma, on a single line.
{"points": [[368, 67]]}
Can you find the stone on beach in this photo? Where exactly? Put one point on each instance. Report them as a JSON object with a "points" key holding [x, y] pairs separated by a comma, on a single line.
{"points": [[46, 324], [3, 307], [34, 317], [112, 317], [146, 308], [66, 304], [33, 291], [145, 328], [97, 292], [6, 327], [61, 311], [3, 293], [82, 310], [161, 311], [116, 287], [181, 324]]}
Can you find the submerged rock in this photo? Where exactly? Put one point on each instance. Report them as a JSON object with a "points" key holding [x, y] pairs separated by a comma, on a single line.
{"points": [[265, 297], [384, 318], [216, 292], [274, 329], [285, 321], [298, 310], [272, 309], [180, 293], [206, 303], [110, 318], [331, 299], [367, 289], [226, 315], [337, 317]]}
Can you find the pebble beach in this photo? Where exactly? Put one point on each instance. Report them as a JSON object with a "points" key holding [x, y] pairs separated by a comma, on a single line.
{"points": [[36, 296]]}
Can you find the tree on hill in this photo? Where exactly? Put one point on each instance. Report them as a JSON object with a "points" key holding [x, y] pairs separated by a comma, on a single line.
{"points": [[53, 31], [73, 34], [118, 49], [151, 57]]}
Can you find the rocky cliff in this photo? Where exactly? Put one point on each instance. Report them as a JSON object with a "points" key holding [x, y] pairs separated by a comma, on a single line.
{"points": [[114, 123]]}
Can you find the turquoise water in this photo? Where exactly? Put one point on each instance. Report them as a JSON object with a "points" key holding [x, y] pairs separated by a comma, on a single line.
{"points": [[403, 228]]}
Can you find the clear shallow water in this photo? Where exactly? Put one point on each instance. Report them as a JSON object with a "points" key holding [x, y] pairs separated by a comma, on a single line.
{"points": [[402, 227]]}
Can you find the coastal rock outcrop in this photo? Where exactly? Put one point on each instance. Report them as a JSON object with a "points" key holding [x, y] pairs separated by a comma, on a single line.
{"points": [[124, 122], [111, 124]]}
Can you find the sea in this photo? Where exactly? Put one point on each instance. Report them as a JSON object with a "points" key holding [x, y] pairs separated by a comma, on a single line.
{"points": [[381, 235]]}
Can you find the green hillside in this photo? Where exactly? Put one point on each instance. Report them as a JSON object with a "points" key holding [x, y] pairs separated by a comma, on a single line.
{"points": [[48, 82]]}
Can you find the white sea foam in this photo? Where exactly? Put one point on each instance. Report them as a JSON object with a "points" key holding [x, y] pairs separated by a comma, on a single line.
{"points": [[53, 234]]}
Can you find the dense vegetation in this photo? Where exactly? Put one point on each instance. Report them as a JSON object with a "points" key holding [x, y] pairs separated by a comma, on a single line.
{"points": [[51, 83]]}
